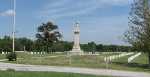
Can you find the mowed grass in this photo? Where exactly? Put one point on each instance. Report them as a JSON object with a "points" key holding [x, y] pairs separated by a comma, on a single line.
{"points": [[87, 61], [138, 64], [42, 74], [62, 60], [142, 59]]}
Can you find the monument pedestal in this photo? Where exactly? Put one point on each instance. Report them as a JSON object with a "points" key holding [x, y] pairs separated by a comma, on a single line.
{"points": [[76, 47], [76, 52]]}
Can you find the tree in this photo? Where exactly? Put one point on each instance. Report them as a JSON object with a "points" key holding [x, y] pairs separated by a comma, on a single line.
{"points": [[58, 47], [6, 44], [24, 43], [85, 47], [48, 34], [138, 34], [92, 47], [99, 47], [67, 45]]}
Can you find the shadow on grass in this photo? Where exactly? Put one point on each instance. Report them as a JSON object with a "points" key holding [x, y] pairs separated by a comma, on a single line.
{"points": [[134, 65]]}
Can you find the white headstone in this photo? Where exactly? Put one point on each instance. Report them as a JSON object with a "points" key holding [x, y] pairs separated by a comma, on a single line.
{"points": [[31, 52], [3, 52]]}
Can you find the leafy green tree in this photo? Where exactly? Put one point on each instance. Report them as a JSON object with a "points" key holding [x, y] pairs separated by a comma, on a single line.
{"points": [[24, 43], [67, 45], [48, 34], [85, 47], [6, 44], [138, 34], [58, 47], [99, 47], [37, 46], [92, 46]]}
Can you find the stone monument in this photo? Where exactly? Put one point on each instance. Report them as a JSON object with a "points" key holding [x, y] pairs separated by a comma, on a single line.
{"points": [[76, 47]]}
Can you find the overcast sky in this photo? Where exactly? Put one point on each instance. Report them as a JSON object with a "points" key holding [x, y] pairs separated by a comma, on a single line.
{"points": [[102, 21]]}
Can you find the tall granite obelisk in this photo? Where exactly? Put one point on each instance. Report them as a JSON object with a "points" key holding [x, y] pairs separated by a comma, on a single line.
{"points": [[76, 47]]}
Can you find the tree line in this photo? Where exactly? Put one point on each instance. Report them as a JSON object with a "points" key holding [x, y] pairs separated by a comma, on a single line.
{"points": [[25, 44], [48, 39]]}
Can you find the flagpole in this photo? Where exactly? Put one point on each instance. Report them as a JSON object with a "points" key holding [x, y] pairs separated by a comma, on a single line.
{"points": [[14, 24]]}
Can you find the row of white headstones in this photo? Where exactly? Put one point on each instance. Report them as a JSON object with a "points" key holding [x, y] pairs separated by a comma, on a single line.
{"points": [[133, 57], [28, 52], [37, 52], [112, 57], [5, 52], [106, 59]]}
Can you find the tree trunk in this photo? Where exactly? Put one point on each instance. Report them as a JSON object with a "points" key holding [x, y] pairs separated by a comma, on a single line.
{"points": [[149, 59], [47, 48]]}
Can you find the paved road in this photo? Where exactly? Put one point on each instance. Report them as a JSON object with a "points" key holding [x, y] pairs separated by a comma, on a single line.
{"points": [[115, 73]]}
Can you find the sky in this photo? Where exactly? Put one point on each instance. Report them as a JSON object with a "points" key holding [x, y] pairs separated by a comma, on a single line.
{"points": [[102, 21]]}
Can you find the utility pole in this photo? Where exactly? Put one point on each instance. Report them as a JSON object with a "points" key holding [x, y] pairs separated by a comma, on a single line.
{"points": [[14, 25]]}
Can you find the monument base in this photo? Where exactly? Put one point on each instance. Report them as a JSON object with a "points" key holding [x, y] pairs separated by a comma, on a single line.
{"points": [[76, 52]]}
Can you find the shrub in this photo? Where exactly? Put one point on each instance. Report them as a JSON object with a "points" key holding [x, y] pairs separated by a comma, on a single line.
{"points": [[12, 56], [10, 70]]}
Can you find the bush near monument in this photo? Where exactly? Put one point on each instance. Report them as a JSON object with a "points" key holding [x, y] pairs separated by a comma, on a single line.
{"points": [[12, 56]]}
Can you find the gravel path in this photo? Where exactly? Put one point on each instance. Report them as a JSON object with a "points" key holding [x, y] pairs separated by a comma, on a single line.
{"points": [[115, 73]]}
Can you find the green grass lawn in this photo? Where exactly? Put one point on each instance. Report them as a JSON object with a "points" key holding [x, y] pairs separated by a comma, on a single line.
{"points": [[76, 61], [142, 59], [42, 74], [139, 64]]}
